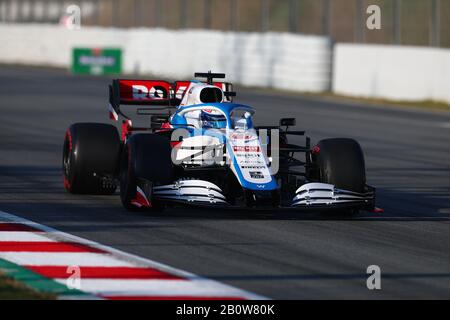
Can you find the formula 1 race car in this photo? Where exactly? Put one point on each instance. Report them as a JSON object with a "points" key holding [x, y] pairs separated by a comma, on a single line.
{"points": [[198, 147]]}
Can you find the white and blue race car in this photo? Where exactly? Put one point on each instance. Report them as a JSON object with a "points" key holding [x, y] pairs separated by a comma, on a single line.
{"points": [[196, 146]]}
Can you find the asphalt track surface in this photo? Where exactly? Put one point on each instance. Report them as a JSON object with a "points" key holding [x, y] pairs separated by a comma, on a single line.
{"points": [[288, 255]]}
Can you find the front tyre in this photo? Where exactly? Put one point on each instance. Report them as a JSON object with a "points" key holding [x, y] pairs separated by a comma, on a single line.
{"points": [[340, 162]]}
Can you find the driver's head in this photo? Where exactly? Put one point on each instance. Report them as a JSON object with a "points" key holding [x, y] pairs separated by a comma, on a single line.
{"points": [[209, 119]]}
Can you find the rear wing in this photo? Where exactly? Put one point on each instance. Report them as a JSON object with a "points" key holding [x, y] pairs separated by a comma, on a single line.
{"points": [[152, 93]]}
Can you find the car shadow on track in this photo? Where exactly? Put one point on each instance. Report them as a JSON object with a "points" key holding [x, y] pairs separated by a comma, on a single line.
{"points": [[37, 189]]}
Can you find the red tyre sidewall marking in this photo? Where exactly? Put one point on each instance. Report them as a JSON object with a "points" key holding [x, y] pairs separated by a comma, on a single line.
{"points": [[66, 180]]}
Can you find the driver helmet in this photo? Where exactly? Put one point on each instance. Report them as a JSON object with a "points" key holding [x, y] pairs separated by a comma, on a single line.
{"points": [[211, 119]]}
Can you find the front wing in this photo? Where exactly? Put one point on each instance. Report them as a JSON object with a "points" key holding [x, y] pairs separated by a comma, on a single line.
{"points": [[309, 196]]}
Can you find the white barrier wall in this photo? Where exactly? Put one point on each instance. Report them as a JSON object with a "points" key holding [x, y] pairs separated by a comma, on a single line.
{"points": [[392, 72], [278, 60]]}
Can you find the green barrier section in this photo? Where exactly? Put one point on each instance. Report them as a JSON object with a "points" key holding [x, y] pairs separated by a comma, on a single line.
{"points": [[96, 61], [36, 281]]}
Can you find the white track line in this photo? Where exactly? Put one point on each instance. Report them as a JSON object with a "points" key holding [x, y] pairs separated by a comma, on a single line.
{"points": [[23, 236], [203, 288], [81, 259]]}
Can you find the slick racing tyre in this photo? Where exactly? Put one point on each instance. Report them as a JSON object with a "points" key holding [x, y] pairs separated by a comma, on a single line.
{"points": [[90, 155], [146, 161], [341, 162]]}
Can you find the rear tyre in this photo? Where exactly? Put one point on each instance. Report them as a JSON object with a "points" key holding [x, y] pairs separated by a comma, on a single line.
{"points": [[145, 158], [90, 153], [340, 162]]}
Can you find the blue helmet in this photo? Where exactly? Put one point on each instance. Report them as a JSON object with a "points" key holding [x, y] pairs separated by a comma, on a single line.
{"points": [[211, 120]]}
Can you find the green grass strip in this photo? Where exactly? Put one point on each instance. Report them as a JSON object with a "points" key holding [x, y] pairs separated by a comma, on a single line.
{"points": [[35, 281]]}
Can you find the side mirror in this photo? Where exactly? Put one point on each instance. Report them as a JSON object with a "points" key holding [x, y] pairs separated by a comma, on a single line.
{"points": [[287, 122]]}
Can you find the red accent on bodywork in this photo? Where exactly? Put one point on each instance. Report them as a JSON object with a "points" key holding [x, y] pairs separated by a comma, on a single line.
{"points": [[134, 92], [128, 96], [140, 200], [126, 128], [378, 210], [113, 114], [178, 85], [174, 144], [186, 84], [166, 125], [316, 149]]}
